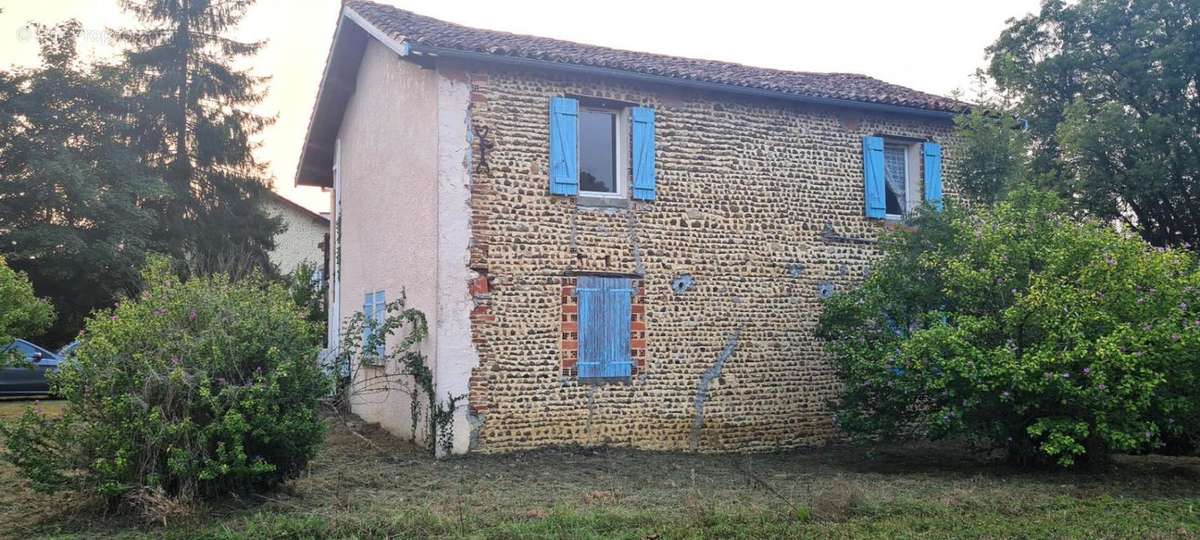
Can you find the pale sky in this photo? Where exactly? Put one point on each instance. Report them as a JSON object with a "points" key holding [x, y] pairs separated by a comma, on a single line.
{"points": [[930, 45]]}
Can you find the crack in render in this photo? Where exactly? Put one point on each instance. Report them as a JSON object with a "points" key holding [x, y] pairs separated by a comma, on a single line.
{"points": [[706, 379]]}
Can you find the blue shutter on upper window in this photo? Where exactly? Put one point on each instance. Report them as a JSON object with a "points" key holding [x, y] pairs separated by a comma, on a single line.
{"points": [[564, 134], [873, 176], [643, 154], [933, 174], [605, 310]]}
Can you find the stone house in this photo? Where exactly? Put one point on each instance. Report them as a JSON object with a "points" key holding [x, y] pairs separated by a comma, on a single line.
{"points": [[610, 247]]}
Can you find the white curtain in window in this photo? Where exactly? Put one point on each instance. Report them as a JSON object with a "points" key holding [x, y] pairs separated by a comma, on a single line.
{"points": [[895, 173]]}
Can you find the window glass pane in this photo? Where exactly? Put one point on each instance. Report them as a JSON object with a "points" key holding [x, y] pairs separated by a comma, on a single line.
{"points": [[895, 174], [374, 313], [597, 151]]}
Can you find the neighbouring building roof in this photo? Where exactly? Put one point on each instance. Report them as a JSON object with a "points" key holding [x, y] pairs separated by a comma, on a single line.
{"points": [[296, 207], [411, 34]]}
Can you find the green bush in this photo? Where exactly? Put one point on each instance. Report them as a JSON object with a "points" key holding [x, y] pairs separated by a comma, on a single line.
{"points": [[193, 389], [1058, 340], [21, 313]]}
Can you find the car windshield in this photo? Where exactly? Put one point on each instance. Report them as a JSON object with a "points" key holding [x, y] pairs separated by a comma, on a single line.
{"points": [[68, 349]]}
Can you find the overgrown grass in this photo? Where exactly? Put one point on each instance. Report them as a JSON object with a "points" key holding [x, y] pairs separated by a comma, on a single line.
{"points": [[387, 489]]}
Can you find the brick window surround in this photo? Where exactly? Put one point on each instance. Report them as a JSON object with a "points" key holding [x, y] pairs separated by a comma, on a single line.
{"points": [[569, 340]]}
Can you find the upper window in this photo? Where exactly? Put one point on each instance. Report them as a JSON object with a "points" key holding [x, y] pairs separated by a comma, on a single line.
{"points": [[600, 151], [900, 175]]}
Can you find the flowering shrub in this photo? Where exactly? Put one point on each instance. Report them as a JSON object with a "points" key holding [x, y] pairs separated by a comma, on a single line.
{"points": [[194, 388], [1018, 327]]}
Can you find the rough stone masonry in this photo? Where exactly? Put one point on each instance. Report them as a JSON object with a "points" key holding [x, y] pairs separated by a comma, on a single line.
{"points": [[749, 190]]}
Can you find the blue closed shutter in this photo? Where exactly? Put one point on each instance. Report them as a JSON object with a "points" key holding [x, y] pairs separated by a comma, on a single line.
{"points": [[643, 154], [873, 175], [605, 309], [933, 174], [368, 311], [564, 134]]}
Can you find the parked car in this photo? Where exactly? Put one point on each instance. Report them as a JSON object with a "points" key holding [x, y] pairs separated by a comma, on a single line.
{"points": [[27, 379], [67, 350]]}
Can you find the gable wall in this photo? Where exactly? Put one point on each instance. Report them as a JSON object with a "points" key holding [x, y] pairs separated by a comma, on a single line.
{"points": [[300, 242], [745, 189], [387, 236]]}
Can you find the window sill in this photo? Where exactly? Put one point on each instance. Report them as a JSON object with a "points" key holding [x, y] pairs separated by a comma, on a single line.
{"points": [[596, 381], [374, 363], [593, 201]]}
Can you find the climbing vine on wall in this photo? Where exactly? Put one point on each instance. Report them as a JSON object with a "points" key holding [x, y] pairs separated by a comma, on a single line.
{"points": [[362, 370]]}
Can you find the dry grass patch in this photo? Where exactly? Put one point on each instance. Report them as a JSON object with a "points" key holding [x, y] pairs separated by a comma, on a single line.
{"points": [[386, 487]]}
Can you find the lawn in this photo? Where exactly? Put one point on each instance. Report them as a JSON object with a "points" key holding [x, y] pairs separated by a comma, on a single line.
{"points": [[384, 488]]}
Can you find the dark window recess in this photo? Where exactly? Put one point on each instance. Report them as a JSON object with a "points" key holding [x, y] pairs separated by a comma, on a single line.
{"points": [[893, 203], [597, 151], [895, 167]]}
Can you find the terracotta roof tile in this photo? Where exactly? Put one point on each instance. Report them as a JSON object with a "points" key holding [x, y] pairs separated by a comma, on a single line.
{"points": [[408, 27]]}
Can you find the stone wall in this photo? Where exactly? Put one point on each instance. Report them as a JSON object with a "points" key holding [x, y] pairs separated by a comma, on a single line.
{"points": [[747, 189]]}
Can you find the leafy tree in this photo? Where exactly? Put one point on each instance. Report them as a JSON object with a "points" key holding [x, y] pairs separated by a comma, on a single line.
{"points": [[21, 313], [308, 291], [1109, 88], [74, 199], [993, 158], [197, 129], [1019, 328]]}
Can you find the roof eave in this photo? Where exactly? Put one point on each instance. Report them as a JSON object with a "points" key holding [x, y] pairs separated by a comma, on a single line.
{"points": [[417, 49], [315, 165]]}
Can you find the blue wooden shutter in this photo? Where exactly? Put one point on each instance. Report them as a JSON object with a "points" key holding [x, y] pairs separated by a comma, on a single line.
{"points": [[368, 311], [643, 154], [564, 135], [380, 315], [605, 309], [933, 174], [873, 175]]}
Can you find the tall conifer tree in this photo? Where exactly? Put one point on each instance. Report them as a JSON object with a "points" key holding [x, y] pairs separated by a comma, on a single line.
{"points": [[197, 128]]}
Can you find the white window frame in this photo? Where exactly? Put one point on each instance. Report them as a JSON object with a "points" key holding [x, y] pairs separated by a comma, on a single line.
{"points": [[334, 315], [376, 302], [913, 192], [620, 147]]}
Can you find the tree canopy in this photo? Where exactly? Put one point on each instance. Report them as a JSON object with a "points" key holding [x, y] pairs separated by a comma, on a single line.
{"points": [[74, 200], [1110, 92], [102, 163]]}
